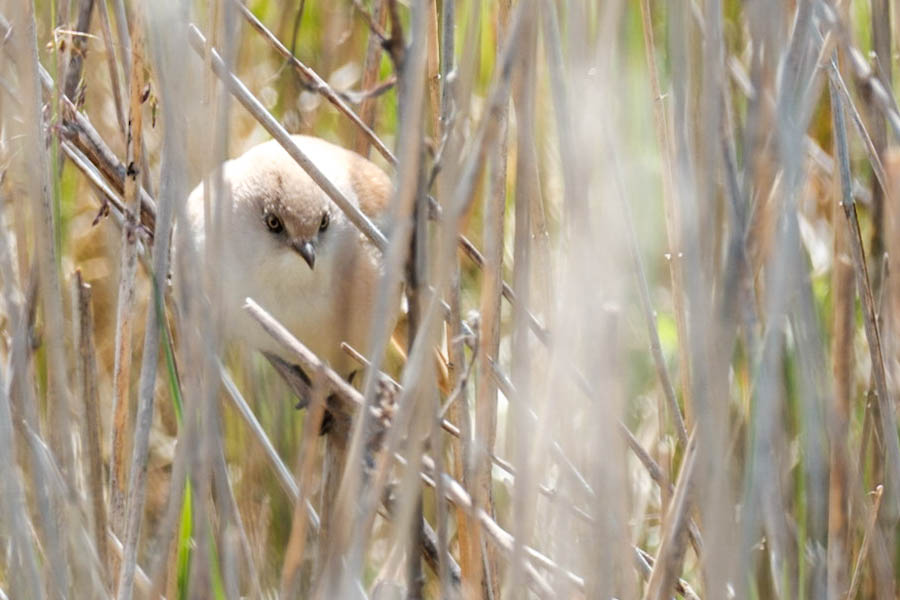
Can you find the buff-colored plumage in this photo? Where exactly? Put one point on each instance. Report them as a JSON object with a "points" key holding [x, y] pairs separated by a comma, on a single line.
{"points": [[290, 248]]}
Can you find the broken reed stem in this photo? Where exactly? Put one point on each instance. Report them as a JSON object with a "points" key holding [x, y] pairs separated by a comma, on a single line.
{"points": [[79, 130], [864, 547], [78, 48], [89, 169], [645, 566], [91, 431]]}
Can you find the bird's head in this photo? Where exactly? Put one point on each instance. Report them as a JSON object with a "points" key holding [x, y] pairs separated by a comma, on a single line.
{"points": [[299, 224], [280, 216]]}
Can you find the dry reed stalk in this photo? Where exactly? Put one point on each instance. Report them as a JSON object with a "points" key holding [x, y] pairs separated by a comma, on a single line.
{"points": [[670, 207], [142, 582], [440, 104], [370, 76], [83, 136], [886, 412], [880, 22], [489, 339], [122, 420], [296, 546], [458, 413], [36, 169], [842, 353], [26, 579], [112, 67], [122, 433], [284, 476], [864, 548], [668, 562], [78, 48], [413, 67], [40, 190], [527, 452], [73, 530], [91, 430], [433, 72]]}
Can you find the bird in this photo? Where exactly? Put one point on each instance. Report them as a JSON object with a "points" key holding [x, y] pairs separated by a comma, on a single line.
{"points": [[290, 248]]}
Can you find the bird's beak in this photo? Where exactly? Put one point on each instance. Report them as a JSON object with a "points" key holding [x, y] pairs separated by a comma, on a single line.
{"points": [[306, 249]]}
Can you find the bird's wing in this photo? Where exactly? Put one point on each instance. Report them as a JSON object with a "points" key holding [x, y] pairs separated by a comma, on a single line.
{"points": [[372, 187]]}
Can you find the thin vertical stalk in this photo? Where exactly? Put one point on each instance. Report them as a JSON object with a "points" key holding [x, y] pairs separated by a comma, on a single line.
{"points": [[370, 76], [413, 74], [126, 506], [433, 74], [668, 562], [880, 15], [842, 354], [670, 205], [523, 360], [87, 377], [26, 578], [438, 66], [112, 65], [124, 36], [121, 425], [38, 187], [489, 340], [869, 533], [864, 290], [296, 547], [459, 411], [78, 48]]}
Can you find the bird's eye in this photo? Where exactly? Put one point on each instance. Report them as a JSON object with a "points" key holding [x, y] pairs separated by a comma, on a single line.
{"points": [[323, 224], [274, 223]]}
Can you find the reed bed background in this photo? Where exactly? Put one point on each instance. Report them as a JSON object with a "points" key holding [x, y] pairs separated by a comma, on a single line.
{"points": [[650, 339]]}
